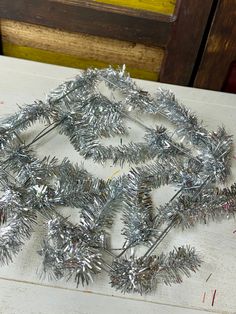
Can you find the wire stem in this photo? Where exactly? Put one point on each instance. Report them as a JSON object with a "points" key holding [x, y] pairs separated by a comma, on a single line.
{"points": [[38, 137], [160, 238]]}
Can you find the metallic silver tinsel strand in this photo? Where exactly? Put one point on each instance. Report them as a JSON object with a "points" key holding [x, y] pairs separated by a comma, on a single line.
{"points": [[77, 109], [16, 224], [22, 120], [141, 275], [211, 204], [66, 255]]}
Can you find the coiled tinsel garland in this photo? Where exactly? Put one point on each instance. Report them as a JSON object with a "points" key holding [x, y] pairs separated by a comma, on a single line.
{"points": [[196, 164]]}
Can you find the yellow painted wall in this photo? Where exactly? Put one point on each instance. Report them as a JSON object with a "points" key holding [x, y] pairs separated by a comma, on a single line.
{"points": [[159, 6], [78, 50], [50, 57]]}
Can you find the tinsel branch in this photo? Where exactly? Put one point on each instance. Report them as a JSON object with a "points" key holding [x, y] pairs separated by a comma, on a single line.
{"points": [[97, 217], [22, 120], [137, 217], [216, 157], [85, 129], [186, 122], [17, 222], [181, 261], [211, 204], [75, 186], [142, 274], [164, 104], [96, 116], [14, 234], [138, 208], [65, 254]]}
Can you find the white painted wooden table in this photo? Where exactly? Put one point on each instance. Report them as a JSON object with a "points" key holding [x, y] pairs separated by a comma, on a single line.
{"points": [[21, 290]]}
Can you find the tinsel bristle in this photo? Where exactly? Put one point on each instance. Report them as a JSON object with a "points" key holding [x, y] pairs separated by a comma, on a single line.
{"points": [[65, 255], [16, 224], [141, 275]]}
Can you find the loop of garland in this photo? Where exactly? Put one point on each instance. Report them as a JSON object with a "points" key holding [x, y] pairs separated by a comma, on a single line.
{"points": [[195, 163]]}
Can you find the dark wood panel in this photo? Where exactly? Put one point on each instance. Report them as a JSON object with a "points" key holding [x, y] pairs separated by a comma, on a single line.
{"points": [[118, 9], [220, 49], [185, 40], [76, 17], [1, 49]]}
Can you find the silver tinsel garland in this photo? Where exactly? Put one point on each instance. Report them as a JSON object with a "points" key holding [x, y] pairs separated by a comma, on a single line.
{"points": [[191, 158]]}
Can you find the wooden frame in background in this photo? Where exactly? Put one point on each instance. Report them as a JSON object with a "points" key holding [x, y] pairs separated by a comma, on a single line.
{"points": [[179, 34]]}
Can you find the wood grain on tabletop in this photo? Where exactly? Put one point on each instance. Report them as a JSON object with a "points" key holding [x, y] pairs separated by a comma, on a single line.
{"points": [[22, 82], [19, 297], [40, 43]]}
